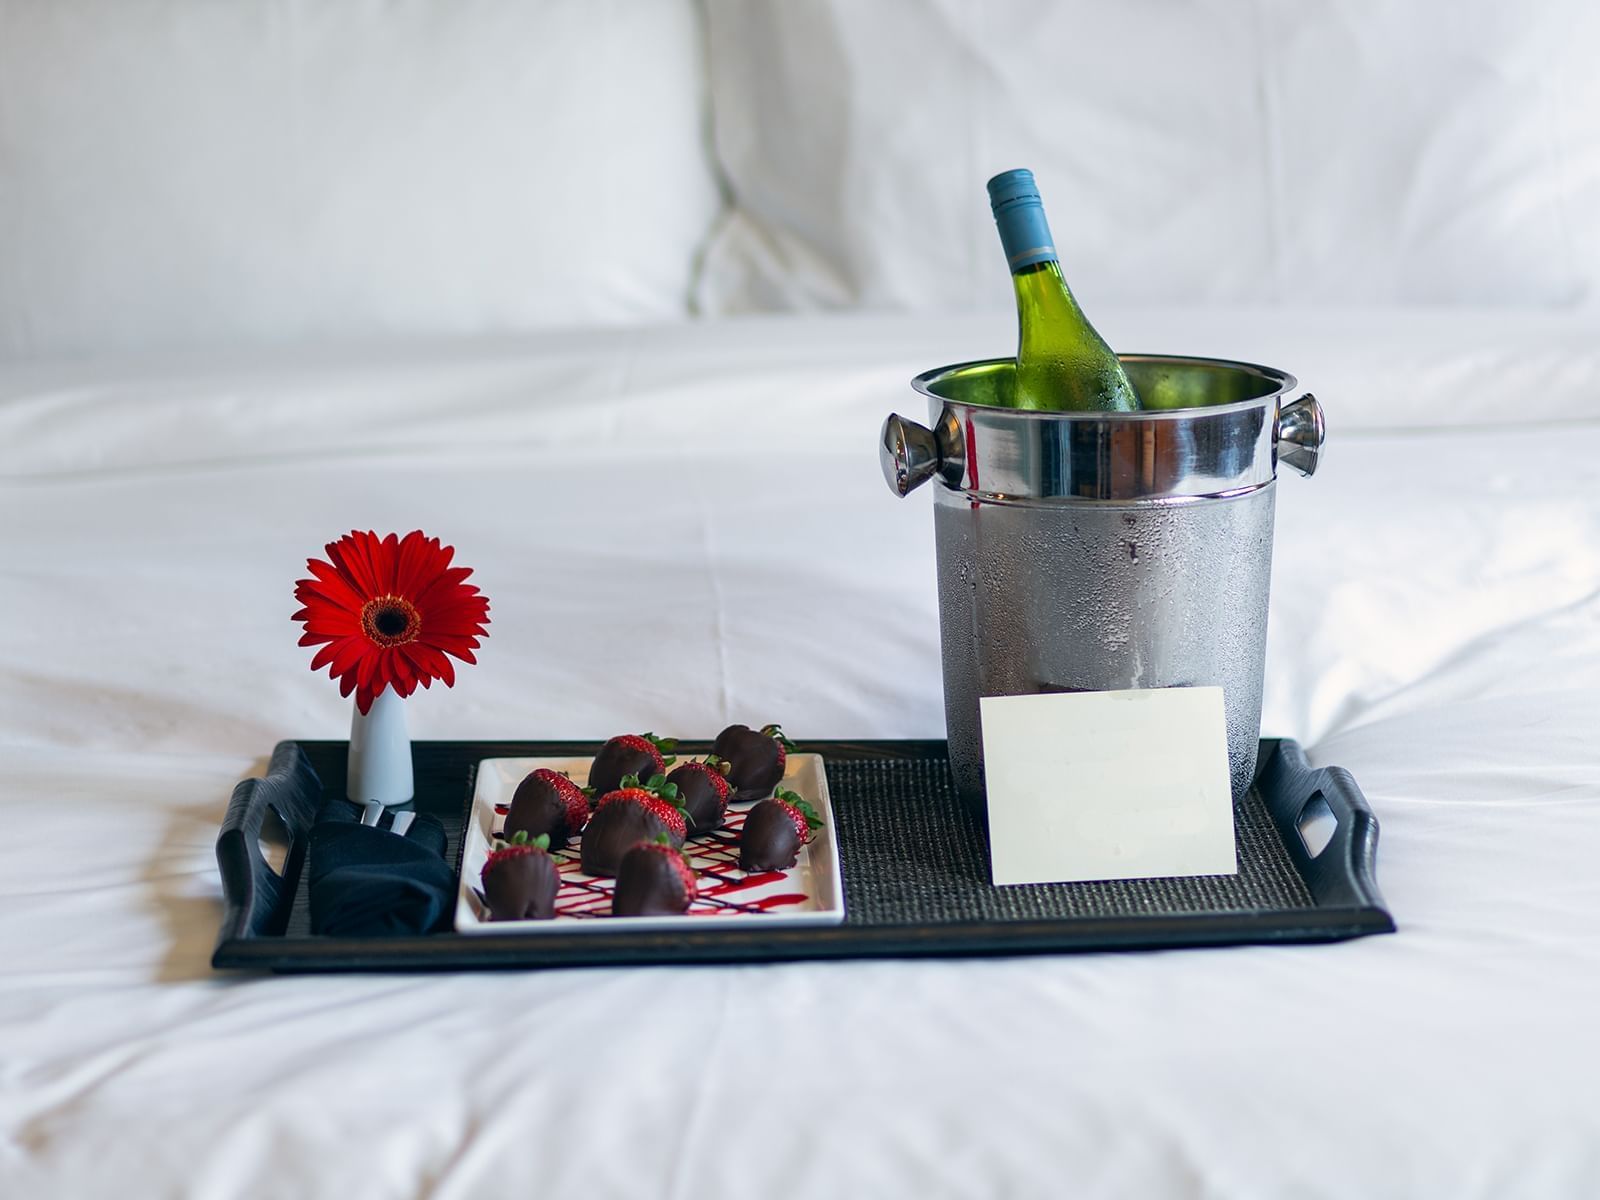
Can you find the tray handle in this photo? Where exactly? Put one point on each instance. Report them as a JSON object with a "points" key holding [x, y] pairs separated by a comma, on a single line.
{"points": [[252, 892], [1342, 874]]}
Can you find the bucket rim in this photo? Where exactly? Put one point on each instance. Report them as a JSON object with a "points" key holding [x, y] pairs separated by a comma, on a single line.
{"points": [[1282, 380]]}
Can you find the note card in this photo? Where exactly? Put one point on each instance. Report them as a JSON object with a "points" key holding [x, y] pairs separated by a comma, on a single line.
{"points": [[1107, 785]]}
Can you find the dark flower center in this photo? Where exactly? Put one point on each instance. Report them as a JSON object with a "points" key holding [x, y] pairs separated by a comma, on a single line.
{"points": [[391, 620]]}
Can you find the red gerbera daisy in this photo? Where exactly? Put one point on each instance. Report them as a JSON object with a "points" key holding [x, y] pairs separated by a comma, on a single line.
{"points": [[387, 612]]}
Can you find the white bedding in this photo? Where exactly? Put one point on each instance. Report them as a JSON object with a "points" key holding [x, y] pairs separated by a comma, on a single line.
{"points": [[683, 527]]}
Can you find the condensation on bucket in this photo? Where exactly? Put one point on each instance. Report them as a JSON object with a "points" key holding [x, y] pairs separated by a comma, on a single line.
{"points": [[1041, 597]]}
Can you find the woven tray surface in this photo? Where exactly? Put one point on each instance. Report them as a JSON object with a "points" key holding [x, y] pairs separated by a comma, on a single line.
{"points": [[911, 854]]}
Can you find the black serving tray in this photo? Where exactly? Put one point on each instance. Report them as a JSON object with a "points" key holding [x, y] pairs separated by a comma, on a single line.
{"points": [[915, 873]]}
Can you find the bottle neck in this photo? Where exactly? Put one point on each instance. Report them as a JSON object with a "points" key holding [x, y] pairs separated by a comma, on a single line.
{"points": [[1025, 235], [1046, 310]]}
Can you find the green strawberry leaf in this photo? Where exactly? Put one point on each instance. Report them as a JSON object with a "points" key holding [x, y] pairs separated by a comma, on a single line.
{"points": [[776, 731], [800, 805], [521, 838]]}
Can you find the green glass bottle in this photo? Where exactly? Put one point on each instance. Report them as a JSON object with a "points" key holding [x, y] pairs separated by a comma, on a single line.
{"points": [[1062, 363]]}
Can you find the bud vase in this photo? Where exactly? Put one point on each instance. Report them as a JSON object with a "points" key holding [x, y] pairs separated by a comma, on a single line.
{"points": [[380, 752]]}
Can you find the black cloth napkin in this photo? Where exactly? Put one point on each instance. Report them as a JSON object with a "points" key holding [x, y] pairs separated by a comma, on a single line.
{"points": [[368, 882]]}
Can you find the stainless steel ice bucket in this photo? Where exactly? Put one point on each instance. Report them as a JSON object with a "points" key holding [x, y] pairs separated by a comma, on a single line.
{"points": [[1090, 551]]}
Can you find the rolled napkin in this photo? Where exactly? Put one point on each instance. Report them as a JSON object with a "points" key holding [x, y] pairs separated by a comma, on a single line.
{"points": [[366, 881]]}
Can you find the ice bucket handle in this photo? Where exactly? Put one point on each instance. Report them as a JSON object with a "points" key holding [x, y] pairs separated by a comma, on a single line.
{"points": [[1300, 434], [911, 454]]}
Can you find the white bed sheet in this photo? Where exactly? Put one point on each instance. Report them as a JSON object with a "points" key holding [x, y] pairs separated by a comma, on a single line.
{"points": [[683, 527]]}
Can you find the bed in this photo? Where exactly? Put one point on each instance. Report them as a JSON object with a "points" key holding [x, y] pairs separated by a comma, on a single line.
{"points": [[1433, 629], [681, 524]]}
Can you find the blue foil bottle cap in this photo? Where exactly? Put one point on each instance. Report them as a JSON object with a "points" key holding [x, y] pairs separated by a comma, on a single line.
{"points": [[1011, 186], [1019, 215]]}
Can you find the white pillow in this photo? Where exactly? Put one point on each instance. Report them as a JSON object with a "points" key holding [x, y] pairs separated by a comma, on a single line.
{"points": [[1306, 152], [194, 173]]}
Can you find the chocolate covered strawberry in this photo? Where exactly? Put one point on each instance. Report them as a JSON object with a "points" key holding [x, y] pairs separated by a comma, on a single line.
{"points": [[774, 832], [520, 880], [639, 754], [704, 790], [654, 879], [632, 814], [548, 802], [756, 759]]}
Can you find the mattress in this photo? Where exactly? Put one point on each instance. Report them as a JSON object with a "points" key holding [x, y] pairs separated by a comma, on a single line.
{"points": [[683, 527]]}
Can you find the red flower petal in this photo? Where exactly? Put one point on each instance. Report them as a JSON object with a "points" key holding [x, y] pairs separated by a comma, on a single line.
{"points": [[329, 582], [461, 647], [439, 587], [411, 563], [351, 653], [386, 561], [325, 656], [415, 662], [438, 665], [337, 599], [468, 611], [350, 556]]}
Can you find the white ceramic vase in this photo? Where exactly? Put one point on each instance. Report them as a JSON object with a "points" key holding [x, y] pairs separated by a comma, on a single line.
{"points": [[380, 752]]}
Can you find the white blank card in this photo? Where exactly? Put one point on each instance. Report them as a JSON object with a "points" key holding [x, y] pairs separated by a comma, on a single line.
{"points": [[1108, 785]]}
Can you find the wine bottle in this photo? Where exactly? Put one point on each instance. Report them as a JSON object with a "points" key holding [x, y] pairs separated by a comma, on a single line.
{"points": [[1062, 363]]}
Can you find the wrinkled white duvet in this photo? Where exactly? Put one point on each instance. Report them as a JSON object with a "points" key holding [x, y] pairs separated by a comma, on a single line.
{"points": [[683, 527]]}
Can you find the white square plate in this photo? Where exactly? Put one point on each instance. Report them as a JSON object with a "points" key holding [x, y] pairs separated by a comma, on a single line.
{"points": [[809, 893]]}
